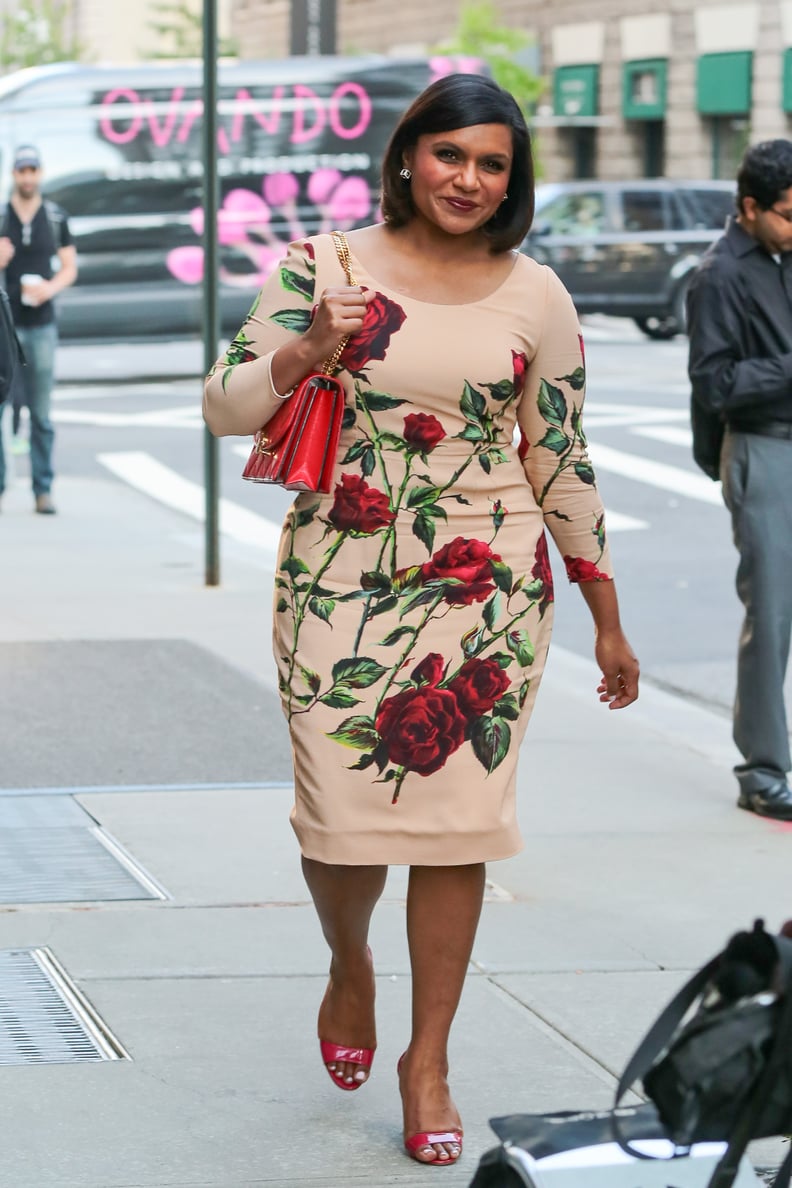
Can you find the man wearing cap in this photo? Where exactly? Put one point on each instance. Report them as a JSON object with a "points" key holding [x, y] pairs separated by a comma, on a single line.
{"points": [[39, 258]]}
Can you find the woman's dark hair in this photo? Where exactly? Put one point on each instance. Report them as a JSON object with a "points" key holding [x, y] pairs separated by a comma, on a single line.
{"points": [[765, 172], [462, 101]]}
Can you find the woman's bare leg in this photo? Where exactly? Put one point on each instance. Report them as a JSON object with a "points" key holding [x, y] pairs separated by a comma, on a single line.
{"points": [[344, 897], [443, 909]]}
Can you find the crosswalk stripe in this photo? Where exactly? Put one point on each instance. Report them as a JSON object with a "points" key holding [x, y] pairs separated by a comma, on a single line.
{"points": [[656, 474], [182, 417], [160, 482], [674, 435], [617, 521], [146, 474]]}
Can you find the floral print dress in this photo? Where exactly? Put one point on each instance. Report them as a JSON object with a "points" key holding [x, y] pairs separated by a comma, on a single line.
{"points": [[413, 603]]}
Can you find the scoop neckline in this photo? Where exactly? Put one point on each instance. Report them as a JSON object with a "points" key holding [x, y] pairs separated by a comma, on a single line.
{"points": [[434, 304]]}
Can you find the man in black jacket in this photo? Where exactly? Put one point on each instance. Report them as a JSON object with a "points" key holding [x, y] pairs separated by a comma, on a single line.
{"points": [[740, 367], [40, 260]]}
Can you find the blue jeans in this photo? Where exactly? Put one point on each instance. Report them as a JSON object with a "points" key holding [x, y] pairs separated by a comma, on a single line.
{"points": [[38, 343]]}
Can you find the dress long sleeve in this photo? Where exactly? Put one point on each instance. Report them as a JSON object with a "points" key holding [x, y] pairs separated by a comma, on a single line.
{"points": [[238, 400], [553, 446]]}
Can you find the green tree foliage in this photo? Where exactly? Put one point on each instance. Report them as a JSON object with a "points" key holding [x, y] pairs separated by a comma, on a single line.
{"points": [[178, 25], [38, 32], [479, 35]]}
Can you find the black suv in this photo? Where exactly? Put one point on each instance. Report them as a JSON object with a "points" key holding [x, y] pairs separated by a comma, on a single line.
{"points": [[628, 248]]}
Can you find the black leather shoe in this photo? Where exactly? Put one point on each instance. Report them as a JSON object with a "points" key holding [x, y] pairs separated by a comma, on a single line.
{"points": [[775, 801]]}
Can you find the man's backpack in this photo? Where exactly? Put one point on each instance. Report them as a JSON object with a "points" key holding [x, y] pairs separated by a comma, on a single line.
{"points": [[11, 355]]}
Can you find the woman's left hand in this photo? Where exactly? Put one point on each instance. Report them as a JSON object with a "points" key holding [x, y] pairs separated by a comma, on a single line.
{"points": [[620, 669]]}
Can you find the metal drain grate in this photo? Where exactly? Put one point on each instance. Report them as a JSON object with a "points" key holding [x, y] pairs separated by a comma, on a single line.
{"points": [[52, 851], [44, 1018]]}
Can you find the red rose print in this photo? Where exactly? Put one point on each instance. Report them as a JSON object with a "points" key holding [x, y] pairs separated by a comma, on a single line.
{"points": [[421, 728], [520, 364], [422, 431], [309, 250], [542, 572], [467, 561], [524, 446], [357, 507], [582, 349], [478, 685], [429, 671], [383, 318], [580, 570]]}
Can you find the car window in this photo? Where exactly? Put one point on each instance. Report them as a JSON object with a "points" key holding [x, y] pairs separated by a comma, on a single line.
{"points": [[581, 213], [676, 214], [711, 208], [643, 210]]}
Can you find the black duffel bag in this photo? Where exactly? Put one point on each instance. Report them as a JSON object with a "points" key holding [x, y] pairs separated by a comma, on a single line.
{"points": [[717, 1066], [724, 1072]]}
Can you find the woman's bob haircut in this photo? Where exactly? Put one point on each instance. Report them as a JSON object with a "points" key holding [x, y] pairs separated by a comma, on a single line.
{"points": [[461, 101]]}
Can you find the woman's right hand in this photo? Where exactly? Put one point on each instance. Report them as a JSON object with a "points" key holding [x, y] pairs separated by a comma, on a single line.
{"points": [[339, 311]]}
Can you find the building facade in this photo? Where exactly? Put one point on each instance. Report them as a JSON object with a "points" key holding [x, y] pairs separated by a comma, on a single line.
{"points": [[122, 33], [674, 88]]}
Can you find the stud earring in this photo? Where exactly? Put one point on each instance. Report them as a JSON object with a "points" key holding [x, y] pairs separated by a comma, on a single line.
{"points": [[405, 173], [505, 196]]}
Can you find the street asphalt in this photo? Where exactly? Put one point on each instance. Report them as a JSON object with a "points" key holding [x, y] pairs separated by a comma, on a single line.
{"points": [[130, 689]]}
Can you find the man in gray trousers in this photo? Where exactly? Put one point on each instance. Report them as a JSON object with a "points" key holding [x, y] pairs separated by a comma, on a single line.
{"points": [[740, 367]]}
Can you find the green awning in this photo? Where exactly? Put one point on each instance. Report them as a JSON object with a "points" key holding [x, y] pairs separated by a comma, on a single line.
{"points": [[723, 83], [576, 91], [644, 85], [787, 86]]}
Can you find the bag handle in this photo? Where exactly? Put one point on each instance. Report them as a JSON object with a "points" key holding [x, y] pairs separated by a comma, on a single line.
{"points": [[655, 1041], [342, 251]]}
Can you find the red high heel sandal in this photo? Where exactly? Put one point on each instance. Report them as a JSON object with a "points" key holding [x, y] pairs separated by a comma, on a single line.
{"points": [[331, 1053], [428, 1138]]}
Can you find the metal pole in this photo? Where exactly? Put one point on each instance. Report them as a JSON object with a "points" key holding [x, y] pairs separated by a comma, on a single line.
{"points": [[211, 321]]}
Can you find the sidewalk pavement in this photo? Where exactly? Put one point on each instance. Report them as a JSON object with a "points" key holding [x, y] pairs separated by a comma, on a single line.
{"points": [[129, 689]]}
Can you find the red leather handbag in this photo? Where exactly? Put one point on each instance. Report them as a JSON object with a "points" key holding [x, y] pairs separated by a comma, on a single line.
{"points": [[297, 447]]}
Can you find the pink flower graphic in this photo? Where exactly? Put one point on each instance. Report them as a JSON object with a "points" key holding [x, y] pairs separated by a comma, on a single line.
{"points": [[244, 222]]}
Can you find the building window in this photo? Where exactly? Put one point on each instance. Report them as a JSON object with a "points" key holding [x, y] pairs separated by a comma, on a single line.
{"points": [[653, 137], [644, 87], [580, 146], [729, 141]]}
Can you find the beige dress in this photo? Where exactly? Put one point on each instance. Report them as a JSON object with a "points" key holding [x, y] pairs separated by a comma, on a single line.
{"points": [[413, 603]]}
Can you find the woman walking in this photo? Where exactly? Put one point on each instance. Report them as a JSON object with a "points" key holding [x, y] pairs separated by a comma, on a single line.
{"points": [[413, 603]]}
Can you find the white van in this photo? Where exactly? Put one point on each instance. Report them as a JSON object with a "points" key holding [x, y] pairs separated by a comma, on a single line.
{"points": [[299, 141]]}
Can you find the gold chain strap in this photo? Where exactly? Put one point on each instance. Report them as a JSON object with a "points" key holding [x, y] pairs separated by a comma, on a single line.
{"points": [[342, 251]]}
